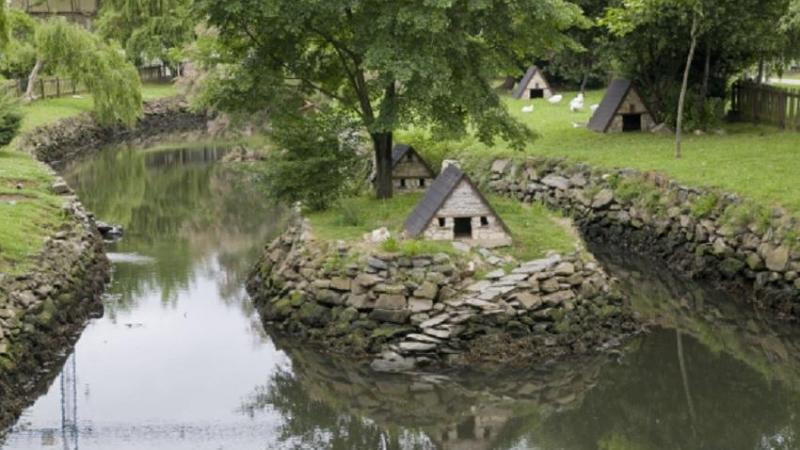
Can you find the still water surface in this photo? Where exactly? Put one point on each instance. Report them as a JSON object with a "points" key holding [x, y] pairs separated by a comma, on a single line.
{"points": [[180, 359]]}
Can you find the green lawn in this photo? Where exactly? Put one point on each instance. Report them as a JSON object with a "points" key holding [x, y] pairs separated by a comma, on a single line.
{"points": [[32, 213], [758, 161], [535, 230], [50, 110]]}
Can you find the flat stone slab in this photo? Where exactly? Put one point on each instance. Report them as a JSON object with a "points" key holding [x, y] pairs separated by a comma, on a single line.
{"points": [[438, 320], [411, 346], [536, 266], [438, 333], [479, 286], [482, 304], [423, 338]]}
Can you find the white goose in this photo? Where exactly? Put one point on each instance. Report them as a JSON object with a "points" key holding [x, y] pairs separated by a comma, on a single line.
{"points": [[577, 103], [555, 99]]}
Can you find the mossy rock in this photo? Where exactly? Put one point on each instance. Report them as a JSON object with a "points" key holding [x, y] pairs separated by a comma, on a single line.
{"points": [[388, 332], [313, 314]]}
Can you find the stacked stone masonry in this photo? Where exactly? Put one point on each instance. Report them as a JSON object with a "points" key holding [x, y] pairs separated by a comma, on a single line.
{"points": [[406, 312], [667, 220]]}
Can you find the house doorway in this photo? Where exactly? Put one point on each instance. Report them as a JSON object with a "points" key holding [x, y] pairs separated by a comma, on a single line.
{"points": [[537, 93], [631, 122], [462, 228]]}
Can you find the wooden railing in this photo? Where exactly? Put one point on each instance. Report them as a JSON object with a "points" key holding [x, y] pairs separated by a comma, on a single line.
{"points": [[57, 87], [759, 103]]}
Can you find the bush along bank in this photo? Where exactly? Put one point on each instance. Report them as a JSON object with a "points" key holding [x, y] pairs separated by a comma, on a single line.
{"points": [[74, 137], [703, 233], [41, 311], [403, 312]]}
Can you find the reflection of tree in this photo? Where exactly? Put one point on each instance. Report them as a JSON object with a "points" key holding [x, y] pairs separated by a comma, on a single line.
{"points": [[190, 216], [330, 403]]}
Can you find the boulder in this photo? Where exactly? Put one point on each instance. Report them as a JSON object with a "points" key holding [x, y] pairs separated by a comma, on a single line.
{"points": [[391, 302], [603, 198], [427, 290], [417, 305], [557, 182]]}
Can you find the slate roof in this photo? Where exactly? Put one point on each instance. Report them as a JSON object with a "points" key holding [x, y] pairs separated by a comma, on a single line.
{"points": [[401, 150], [436, 196], [523, 84], [615, 96]]}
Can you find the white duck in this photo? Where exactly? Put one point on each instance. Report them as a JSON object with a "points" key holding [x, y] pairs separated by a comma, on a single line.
{"points": [[555, 99], [527, 109], [577, 103]]}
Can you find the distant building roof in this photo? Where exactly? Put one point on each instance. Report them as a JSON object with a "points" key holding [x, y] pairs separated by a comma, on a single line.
{"points": [[437, 195], [401, 150], [523, 84], [616, 94]]}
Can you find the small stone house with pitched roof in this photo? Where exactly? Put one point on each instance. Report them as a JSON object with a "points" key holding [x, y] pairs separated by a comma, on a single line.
{"points": [[623, 109], [533, 85], [410, 172], [454, 209]]}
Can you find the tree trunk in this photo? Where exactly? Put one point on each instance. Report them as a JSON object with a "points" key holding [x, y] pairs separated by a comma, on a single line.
{"points": [[760, 76], [28, 97], [508, 83], [382, 143], [684, 87]]}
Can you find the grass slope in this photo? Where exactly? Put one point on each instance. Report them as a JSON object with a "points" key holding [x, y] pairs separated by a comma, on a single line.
{"points": [[30, 214], [759, 162], [535, 230]]}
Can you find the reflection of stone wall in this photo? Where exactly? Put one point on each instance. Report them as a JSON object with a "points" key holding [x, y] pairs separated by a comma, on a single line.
{"points": [[75, 137], [41, 310], [466, 411], [690, 228], [428, 309]]}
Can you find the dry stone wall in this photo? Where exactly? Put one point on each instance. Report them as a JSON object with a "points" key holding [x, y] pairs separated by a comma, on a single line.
{"points": [[709, 235], [41, 311], [72, 138], [431, 310]]}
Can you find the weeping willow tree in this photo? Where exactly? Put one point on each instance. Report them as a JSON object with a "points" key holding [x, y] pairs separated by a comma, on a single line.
{"points": [[148, 30], [78, 54]]}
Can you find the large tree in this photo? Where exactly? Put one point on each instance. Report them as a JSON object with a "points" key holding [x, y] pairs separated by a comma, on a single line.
{"points": [[390, 63]]}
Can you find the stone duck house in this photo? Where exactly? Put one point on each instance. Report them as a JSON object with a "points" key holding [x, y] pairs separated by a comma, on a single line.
{"points": [[410, 172], [623, 109], [533, 85], [454, 209]]}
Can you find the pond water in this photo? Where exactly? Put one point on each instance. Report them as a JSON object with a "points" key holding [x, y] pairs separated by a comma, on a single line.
{"points": [[180, 359]]}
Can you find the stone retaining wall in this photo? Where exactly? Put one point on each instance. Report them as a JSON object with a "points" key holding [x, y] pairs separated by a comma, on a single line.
{"points": [[74, 137], [703, 233], [41, 311], [406, 312]]}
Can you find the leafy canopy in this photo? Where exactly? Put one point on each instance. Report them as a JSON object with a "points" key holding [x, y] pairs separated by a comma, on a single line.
{"points": [[389, 63], [102, 68], [148, 29]]}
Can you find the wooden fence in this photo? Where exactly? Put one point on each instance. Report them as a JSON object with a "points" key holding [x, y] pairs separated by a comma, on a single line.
{"points": [[759, 103], [57, 87]]}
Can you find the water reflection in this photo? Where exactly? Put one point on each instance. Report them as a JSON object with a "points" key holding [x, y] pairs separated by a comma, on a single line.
{"points": [[182, 361]]}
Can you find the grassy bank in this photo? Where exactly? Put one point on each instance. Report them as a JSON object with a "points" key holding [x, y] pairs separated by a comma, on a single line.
{"points": [[759, 162], [29, 210], [535, 230]]}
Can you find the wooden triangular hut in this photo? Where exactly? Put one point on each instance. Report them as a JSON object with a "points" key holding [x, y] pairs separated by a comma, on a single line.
{"points": [[533, 85], [454, 209], [623, 109]]}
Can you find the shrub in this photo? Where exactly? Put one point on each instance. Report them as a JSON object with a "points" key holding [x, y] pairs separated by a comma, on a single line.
{"points": [[313, 163], [10, 119]]}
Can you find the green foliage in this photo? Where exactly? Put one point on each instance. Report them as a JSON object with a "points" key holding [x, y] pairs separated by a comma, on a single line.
{"points": [[653, 36], [703, 205], [745, 214], [393, 64], [314, 162], [102, 68], [349, 213], [10, 119], [19, 55], [148, 29]]}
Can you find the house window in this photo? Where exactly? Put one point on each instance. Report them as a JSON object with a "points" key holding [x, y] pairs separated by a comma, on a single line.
{"points": [[631, 122], [442, 222], [537, 93], [422, 182], [484, 221], [402, 183]]}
